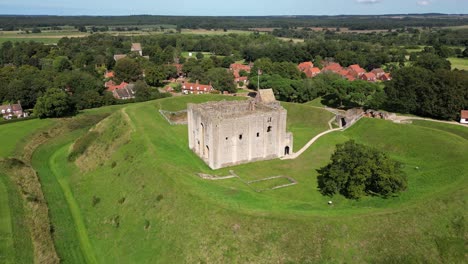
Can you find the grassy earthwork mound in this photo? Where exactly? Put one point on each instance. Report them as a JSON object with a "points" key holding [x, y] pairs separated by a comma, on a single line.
{"points": [[133, 195]]}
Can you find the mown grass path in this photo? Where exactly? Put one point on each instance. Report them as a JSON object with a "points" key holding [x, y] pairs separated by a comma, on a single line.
{"points": [[54, 163], [70, 235], [6, 236]]}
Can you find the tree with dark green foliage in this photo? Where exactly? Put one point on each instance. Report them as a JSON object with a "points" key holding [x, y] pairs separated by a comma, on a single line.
{"points": [[62, 63], [127, 69], [432, 61], [142, 92], [54, 103], [155, 75], [357, 170], [199, 55], [440, 94], [221, 79]]}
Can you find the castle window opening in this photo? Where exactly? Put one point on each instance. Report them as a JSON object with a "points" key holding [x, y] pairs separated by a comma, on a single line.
{"points": [[227, 138], [258, 134], [269, 129], [269, 119], [240, 137]]}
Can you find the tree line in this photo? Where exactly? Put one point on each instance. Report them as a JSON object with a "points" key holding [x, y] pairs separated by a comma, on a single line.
{"points": [[358, 22]]}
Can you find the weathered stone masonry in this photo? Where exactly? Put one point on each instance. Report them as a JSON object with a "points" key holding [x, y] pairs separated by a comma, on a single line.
{"points": [[230, 133]]}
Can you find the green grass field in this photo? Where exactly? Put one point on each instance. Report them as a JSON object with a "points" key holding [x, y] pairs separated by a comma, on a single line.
{"points": [[134, 197], [459, 63]]}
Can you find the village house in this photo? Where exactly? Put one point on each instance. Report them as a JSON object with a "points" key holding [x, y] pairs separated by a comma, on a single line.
{"points": [[9, 111], [196, 88], [370, 77], [464, 117], [125, 93], [238, 78], [356, 70], [378, 72], [305, 65], [136, 48], [308, 69], [332, 67], [235, 68], [238, 67], [385, 77]]}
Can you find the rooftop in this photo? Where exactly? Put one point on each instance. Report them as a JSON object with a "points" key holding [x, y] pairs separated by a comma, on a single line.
{"points": [[232, 109]]}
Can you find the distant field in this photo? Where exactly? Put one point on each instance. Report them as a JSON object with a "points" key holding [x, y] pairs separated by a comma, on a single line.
{"points": [[186, 54], [214, 32], [53, 36], [459, 63]]}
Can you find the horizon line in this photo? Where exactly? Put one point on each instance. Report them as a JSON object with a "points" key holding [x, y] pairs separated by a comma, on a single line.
{"points": [[383, 14]]}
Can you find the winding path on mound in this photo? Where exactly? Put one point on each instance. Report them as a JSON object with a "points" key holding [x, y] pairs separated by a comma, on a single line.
{"points": [[398, 119], [55, 168]]}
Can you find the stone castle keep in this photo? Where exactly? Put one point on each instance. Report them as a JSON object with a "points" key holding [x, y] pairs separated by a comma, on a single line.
{"points": [[230, 133]]}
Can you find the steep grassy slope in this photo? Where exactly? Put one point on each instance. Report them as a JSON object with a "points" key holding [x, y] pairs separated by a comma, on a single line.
{"points": [[144, 203], [15, 240]]}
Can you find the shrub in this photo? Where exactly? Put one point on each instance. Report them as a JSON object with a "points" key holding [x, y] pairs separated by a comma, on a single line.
{"points": [[159, 197], [96, 200], [122, 200]]}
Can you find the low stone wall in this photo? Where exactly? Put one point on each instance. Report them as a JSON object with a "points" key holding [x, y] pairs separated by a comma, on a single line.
{"points": [[248, 183], [177, 121]]}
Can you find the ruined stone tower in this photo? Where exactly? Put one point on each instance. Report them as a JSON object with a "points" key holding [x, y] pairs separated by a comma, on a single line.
{"points": [[230, 133]]}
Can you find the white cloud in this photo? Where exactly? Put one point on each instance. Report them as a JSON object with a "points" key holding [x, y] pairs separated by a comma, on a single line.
{"points": [[423, 3], [368, 2]]}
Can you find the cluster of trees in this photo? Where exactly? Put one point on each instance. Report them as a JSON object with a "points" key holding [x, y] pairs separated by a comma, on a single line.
{"points": [[352, 22], [76, 65], [290, 84], [430, 37], [356, 170]]}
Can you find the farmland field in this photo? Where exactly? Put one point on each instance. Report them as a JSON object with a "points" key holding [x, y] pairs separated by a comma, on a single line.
{"points": [[459, 63], [135, 195]]}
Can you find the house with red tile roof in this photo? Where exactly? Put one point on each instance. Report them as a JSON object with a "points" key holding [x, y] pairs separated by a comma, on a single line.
{"points": [[238, 67], [9, 111], [124, 93], [308, 69], [196, 88], [235, 68], [385, 77], [370, 77], [350, 77], [464, 117], [378, 72], [315, 71], [109, 74], [305, 65], [356, 70], [111, 86], [332, 67]]}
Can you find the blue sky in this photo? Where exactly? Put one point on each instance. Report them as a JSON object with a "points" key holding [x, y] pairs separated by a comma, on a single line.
{"points": [[230, 8]]}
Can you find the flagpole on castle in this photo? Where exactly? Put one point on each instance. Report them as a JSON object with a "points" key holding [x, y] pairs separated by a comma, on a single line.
{"points": [[258, 78]]}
